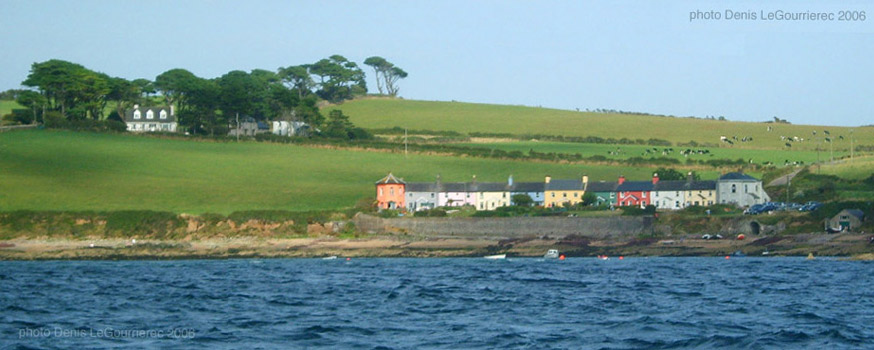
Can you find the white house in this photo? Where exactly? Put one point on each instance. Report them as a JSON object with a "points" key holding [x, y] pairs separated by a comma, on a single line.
{"points": [[150, 119]]}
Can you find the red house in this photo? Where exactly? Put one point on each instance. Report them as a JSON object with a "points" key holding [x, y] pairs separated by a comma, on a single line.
{"points": [[390, 192], [634, 193]]}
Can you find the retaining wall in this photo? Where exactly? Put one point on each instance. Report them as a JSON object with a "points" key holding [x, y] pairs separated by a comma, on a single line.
{"points": [[516, 227]]}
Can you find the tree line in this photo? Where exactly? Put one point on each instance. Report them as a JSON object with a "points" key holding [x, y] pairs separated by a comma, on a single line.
{"points": [[69, 91]]}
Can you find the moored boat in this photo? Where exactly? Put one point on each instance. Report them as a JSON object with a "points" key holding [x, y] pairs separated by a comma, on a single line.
{"points": [[498, 256], [551, 254]]}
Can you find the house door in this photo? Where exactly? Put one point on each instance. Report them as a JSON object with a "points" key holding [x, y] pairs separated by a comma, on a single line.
{"points": [[845, 225], [392, 205]]}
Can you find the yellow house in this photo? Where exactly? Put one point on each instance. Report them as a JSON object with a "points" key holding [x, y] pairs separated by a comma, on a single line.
{"points": [[701, 193], [559, 192], [492, 195]]}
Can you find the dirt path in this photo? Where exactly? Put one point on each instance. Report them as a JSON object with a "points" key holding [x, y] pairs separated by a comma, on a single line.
{"points": [[782, 180]]}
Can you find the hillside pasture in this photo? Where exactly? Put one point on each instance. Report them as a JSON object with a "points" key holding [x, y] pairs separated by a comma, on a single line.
{"points": [[61, 170], [621, 152], [519, 120]]}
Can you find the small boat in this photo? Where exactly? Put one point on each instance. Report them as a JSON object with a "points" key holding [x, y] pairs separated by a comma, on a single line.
{"points": [[551, 254], [738, 253], [332, 257], [499, 256], [810, 256]]}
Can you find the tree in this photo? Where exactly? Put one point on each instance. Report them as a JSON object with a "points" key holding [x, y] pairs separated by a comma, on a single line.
{"points": [[671, 174], [173, 84], [33, 101], [124, 93], [589, 198], [338, 125], [522, 200], [339, 78], [66, 85], [147, 88], [386, 74], [297, 78]]}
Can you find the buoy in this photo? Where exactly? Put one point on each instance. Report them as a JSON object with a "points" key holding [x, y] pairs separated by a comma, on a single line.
{"points": [[347, 259], [810, 256], [741, 237], [621, 257], [727, 257], [561, 257]]}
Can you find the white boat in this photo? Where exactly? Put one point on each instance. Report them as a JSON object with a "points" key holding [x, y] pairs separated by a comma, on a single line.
{"points": [[499, 256], [332, 257], [551, 254]]}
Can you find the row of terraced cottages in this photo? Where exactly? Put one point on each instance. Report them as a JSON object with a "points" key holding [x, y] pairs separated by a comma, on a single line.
{"points": [[732, 188]]}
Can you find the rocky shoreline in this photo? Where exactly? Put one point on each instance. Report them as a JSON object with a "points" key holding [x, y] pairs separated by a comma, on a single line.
{"points": [[844, 245]]}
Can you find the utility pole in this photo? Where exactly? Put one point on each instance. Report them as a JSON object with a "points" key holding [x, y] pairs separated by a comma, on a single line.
{"points": [[238, 127], [852, 151]]}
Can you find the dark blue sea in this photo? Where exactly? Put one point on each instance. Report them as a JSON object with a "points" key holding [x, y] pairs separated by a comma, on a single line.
{"points": [[635, 303]]}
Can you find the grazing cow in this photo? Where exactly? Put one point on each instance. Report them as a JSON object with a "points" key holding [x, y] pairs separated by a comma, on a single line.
{"points": [[788, 145]]}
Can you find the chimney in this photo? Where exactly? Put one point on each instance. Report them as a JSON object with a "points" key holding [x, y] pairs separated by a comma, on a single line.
{"points": [[689, 177], [585, 179], [474, 179], [510, 181], [655, 178], [621, 179], [548, 178], [172, 110]]}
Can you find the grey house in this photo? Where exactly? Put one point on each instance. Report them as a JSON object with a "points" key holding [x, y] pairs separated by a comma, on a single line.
{"points": [[535, 190], [248, 127], [846, 220], [150, 119], [740, 189], [422, 195]]}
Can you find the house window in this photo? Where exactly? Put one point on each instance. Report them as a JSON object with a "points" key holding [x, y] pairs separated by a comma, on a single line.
{"points": [[432, 195], [564, 195], [380, 192], [411, 195], [677, 204], [391, 191], [576, 195], [733, 188], [746, 188], [643, 195], [504, 195], [137, 115], [553, 194], [678, 193], [163, 114], [150, 114], [152, 127]]}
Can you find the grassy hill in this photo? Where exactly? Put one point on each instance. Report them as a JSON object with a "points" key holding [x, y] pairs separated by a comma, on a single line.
{"points": [[59, 170], [518, 120], [7, 106]]}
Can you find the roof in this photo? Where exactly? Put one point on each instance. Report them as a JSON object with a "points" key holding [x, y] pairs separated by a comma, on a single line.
{"points": [[421, 187], [390, 179], [630, 186], [564, 185], [601, 186], [670, 185], [854, 212], [527, 187], [129, 114], [701, 185], [737, 176], [492, 187]]}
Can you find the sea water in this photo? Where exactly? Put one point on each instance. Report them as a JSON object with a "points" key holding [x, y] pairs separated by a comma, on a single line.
{"points": [[578, 303]]}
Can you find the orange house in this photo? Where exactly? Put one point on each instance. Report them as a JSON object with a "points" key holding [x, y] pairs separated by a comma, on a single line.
{"points": [[390, 192]]}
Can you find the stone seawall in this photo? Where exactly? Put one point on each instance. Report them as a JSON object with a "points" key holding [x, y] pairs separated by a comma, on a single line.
{"points": [[508, 227]]}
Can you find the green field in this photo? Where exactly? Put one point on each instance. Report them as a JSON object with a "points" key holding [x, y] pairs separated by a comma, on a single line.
{"points": [[59, 170], [518, 120], [7, 106], [618, 152], [857, 168]]}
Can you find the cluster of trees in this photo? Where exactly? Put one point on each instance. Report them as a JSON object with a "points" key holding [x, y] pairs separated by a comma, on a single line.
{"points": [[206, 106]]}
